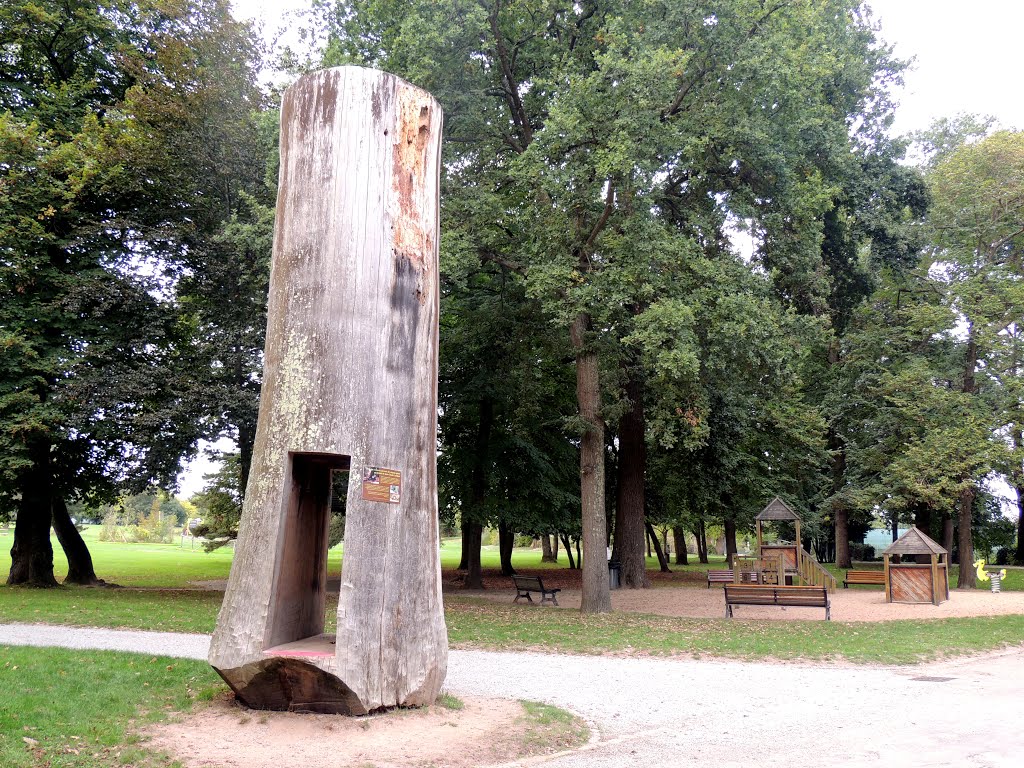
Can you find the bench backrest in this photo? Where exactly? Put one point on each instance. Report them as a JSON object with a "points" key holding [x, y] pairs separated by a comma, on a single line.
{"points": [[528, 582], [770, 595], [878, 576]]}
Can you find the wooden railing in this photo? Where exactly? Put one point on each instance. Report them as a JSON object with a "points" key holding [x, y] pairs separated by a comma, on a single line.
{"points": [[812, 573]]}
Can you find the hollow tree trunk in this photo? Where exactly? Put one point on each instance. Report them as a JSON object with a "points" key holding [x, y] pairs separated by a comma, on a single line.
{"points": [[32, 553], [349, 383], [596, 595], [679, 539], [965, 542], [662, 560], [629, 507], [506, 541], [568, 551], [80, 568]]}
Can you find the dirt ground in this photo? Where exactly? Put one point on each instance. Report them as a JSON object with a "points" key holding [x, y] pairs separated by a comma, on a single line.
{"points": [[225, 735], [853, 604]]}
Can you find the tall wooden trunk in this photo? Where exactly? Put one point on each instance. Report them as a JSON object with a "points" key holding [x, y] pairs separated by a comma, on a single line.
{"points": [[350, 385]]}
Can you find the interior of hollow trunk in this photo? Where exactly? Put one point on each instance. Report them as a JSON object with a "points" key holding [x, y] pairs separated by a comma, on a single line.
{"points": [[298, 610]]}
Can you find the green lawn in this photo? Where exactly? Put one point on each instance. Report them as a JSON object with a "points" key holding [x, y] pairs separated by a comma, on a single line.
{"points": [[68, 709], [159, 599]]}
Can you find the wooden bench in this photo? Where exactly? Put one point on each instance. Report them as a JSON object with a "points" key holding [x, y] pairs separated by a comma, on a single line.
{"points": [[527, 584], [875, 578], [727, 576], [719, 577], [794, 596]]}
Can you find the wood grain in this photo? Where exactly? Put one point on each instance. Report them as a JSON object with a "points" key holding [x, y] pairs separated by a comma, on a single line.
{"points": [[350, 376]]}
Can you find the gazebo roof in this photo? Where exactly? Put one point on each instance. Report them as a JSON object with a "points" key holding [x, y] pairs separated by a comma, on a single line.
{"points": [[777, 509], [914, 542]]}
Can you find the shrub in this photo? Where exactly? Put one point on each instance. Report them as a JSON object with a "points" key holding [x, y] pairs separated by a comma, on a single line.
{"points": [[862, 552]]}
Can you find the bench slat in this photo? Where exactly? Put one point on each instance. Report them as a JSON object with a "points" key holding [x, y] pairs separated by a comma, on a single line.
{"points": [[794, 596]]}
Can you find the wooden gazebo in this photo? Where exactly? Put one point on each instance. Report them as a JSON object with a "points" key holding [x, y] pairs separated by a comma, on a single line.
{"points": [[921, 575], [788, 554]]}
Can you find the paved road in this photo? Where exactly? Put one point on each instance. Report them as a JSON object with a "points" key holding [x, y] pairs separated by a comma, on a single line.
{"points": [[655, 712]]}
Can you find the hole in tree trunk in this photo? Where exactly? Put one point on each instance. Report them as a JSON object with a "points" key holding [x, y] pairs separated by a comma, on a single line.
{"points": [[298, 611]]}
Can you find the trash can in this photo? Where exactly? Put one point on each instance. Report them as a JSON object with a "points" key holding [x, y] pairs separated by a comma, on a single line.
{"points": [[614, 574]]}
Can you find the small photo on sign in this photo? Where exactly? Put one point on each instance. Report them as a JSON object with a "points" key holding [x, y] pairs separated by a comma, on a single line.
{"points": [[383, 485]]}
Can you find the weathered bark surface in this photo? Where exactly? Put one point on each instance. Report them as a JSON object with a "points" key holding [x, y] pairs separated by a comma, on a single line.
{"points": [[596, 595], [965, 541], [662, 560], [629, 500], [32, 552], [80, 568], [679, 541], [350, 382], [730, 541]]}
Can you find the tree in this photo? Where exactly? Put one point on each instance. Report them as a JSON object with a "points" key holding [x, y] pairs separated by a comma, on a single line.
{"points": [[620, 138], [977, 218], [98, 198]]}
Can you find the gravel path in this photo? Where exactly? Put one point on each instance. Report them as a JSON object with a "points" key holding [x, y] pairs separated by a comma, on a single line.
{"points": [[659, 712]]}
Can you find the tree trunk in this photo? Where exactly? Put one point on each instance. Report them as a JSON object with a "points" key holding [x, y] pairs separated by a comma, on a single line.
{"points": [[32, 553], [568, 551], [596, 595], [349, 383], [730, 541], [478, 494], [965, 542], [554, 547], [464, 559], [547, 556], [629, 507], [80, 568], [947, 535], [1018, 557], [923, 518], [474, 541], [506, 542], [662, 560], [842, 528], [679, 539], [700, 531]]}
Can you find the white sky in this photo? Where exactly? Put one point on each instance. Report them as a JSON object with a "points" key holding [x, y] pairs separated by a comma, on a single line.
{"points": [[967, 59]]}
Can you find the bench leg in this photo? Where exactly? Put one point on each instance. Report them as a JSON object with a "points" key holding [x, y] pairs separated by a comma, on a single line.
{"points": [[728, 611], [828, 613], [521, 595]]}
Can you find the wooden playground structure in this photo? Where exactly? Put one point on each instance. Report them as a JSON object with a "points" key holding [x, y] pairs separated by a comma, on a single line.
{"points": [[919, 573], [780, 563]]}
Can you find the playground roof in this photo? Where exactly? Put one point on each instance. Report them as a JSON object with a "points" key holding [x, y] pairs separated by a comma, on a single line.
{"points": [[914, 542], [777, 509]]}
